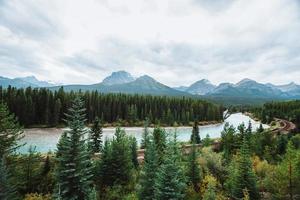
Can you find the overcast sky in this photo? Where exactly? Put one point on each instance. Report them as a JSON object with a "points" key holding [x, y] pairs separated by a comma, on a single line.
{"points": [[176, 42]]}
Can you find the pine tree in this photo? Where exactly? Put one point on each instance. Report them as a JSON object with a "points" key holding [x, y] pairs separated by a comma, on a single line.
{"points": [[133, 149], [260, 128], [7, 189], [45, 174], [103, 168], [193, 169], [228, 142], [170, 180], [73, 163], [30, 171], [244, 178], [195, 137], [145, 134], [95, 143], [159, 139], [10, 131], [121, 158], [56, 112], [148, 173]]}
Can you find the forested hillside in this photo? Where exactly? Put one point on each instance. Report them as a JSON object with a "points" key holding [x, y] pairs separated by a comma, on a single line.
{"points": [[289, 110], [45, 107]]}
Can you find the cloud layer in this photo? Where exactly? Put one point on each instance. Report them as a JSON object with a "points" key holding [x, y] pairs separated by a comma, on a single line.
{"points": [[177, 42]]}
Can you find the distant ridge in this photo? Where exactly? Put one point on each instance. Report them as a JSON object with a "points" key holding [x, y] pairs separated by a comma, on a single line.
{"points": [[124, 82]]}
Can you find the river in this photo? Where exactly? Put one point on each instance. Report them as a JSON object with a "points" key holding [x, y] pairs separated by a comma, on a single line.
{"points": [[45, 139]]}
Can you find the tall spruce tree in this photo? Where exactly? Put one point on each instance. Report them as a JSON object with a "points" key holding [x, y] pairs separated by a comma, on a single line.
{"points": [[170, 179], [103, 168], [121, 158], [145, 134], [95, 143], [160, 142], [260, 128], [10, 131], [7, 189], [148, 173], [195, 137], [133, 150], [73, 171], [244, 177], [194, 174]]}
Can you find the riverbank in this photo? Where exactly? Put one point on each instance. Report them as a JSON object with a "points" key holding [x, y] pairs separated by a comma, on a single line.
{"points": [[133, 125]]}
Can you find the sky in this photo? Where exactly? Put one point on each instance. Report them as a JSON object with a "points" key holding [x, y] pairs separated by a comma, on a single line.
{"points": [[176, 42]]}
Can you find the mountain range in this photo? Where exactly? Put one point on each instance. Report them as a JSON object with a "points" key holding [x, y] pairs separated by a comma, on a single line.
{"points": [[22, 82], [124, 82]]}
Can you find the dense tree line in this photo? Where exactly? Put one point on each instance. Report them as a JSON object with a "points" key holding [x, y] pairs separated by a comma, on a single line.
{"points": [[250, 164], [289, 110], [46, 107]]}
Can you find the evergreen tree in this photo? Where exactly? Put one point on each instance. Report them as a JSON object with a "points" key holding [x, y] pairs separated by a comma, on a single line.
{"points": [[7, 189], [29, 173], [46, 180], [193, 169], [145, 134], [103, 168], [244, 178], [228, 142], [73, 163], [148, 173], [56, 112], [260, 128], [121, 158], [159, 139], [195, 137], [133, 149], [207, 141], [95, 143], [170, 180], [10, 131]]}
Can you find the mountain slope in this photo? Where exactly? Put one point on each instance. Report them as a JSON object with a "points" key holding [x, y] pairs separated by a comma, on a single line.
{"points": [[142, 85], [22, 82], [201, 87], [119, 77]]}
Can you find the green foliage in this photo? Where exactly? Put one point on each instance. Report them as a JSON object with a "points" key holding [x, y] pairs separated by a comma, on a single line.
{"points": [[283, 180], [229, 142], [260, 128], [41, 106], [115, 167], [195, 137], [145, 136], [7, 188], [207, 141], [213, 163], [133, 149], [210, 193], [243, 176], [289, 110], [160, 142], [95, 136], [148, 173], [73, 172], [194, 173], [29, 171], [10, 131], [170, 179], [121, 158]]}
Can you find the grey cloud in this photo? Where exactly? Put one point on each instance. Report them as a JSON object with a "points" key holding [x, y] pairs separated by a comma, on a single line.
{"points": [[26, 20]]}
